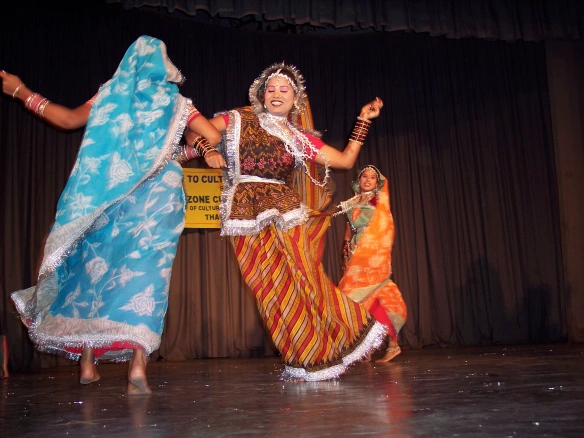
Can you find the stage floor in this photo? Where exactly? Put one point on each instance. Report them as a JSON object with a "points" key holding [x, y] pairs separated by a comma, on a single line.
{"points": [[523, 391]]}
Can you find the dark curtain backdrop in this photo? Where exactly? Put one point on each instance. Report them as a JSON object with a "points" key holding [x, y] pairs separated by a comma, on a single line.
{"points": [[464, 139], [508, 20]]}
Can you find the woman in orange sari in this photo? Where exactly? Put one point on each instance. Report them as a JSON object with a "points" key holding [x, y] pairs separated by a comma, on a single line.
{"points": [[369, 237]]}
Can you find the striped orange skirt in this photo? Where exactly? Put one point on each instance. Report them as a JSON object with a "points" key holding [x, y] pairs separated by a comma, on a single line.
{"points": [[318, 330]]}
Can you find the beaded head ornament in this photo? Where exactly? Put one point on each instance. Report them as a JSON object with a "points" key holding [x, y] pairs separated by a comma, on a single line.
{"points": [[380, 179], [288, 72]]}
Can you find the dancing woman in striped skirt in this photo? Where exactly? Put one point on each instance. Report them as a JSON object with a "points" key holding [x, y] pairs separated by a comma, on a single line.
{"points": [[319, 331]]}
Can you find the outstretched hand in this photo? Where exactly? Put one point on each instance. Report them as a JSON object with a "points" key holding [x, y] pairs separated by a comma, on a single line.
{"points": [[372, 109], [10, 83]]}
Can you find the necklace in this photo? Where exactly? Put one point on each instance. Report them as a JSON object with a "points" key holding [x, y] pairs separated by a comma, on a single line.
{"points": [[295, 142], [356, 201]]}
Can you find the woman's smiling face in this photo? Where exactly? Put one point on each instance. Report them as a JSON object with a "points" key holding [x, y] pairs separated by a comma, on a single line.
{"points": [[368, 180], [279, 97]]}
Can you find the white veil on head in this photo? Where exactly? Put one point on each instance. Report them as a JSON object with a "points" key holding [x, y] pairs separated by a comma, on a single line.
{"points": [[293, 75]]}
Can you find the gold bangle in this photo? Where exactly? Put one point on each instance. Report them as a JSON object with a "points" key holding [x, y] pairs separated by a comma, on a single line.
{"points": [[202, 147], [209, 150], [364, 120], [360, 131], [16, 91]]}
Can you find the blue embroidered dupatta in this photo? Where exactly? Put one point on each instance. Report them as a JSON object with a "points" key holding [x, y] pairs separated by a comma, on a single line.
{"points": [[104, 279]]}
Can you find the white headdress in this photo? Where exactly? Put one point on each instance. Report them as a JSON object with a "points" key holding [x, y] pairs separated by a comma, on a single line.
{"points": [[292, 75]]}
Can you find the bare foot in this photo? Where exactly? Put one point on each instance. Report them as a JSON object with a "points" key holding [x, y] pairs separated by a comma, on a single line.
{"points": [[137, 383], [390, 353], [5, 373], [366, 359], [89, 372]]}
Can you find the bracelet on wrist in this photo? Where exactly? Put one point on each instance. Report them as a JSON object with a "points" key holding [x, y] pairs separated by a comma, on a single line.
{"points": [[36, 104], [183, 153], [16, 90], [202, 146], [360, 130]]}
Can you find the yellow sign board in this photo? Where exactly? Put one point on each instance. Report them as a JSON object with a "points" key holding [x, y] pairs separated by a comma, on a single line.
{"points": [[203, 195]]}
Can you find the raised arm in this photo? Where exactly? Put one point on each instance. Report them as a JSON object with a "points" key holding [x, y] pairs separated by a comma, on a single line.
{"points": [[53, 113], [346, 159]]}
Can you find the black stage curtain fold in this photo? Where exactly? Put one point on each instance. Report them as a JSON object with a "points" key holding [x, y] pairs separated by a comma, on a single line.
{"points": [[508, 20], [464, 139]]}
